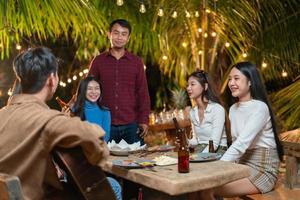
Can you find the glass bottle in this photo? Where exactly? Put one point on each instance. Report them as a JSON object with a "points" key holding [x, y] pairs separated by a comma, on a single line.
{"points": [[61, 102], [183, 151], [211, 146]]}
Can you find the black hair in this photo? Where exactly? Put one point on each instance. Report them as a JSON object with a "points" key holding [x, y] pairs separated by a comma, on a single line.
{"points": [[122, 22], [203, 78], [258, 92], [78, 108], [210, 94], [32, 68]]}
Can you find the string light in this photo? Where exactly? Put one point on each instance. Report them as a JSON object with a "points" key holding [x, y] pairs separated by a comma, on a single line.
{"points": [[18, 47], [74, 77], [164, 57], [184, 44], [80, 74], [244, 55], [264, 65], [227, 44], [200, 52], [207, 10], [197, 14], [160, 12], [187, 14], [120, 2], [142, 8], [174, 15], [213, 34], [85, 71], [69, 80], [284, 73], [200, 30], [205, 35]]}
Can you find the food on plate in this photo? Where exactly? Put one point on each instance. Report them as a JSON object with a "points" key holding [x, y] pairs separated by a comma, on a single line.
{"points": [[165, 160]]}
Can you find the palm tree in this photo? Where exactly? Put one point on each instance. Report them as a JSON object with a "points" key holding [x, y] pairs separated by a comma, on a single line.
{"points": [[207, 34]]}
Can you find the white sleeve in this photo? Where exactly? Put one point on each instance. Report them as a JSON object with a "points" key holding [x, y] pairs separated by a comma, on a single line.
{"points": [[218, 121], [193, 141], [255, 123]]}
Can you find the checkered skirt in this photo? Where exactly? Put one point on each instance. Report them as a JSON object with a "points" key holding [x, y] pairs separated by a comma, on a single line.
{"points": [[264, 167]]}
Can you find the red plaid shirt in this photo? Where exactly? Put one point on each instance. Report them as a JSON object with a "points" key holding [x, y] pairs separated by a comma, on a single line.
{"points": [[125, 89]]}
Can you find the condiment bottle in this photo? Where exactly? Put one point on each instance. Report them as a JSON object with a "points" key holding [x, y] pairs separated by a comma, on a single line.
{"points": [[183, 151], [211, 146]]}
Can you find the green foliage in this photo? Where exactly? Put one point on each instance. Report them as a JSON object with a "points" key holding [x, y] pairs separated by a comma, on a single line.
{"points": [[179, 98], [287, 105]]}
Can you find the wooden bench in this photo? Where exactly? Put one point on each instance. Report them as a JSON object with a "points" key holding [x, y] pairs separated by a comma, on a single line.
{"points": [[10, 187], [291, 144]]}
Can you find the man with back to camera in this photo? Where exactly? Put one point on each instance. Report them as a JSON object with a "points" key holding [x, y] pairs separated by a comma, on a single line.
{"points": [[30, 130], [125, 90]]}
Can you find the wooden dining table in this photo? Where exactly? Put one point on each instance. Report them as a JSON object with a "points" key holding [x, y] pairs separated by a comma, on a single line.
{"points": [[166, 182]]}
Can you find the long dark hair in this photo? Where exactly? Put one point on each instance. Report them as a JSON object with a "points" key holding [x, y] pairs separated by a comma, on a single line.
{"points": [[78, 108], [203, 78], [258, 92], [210, 94]]}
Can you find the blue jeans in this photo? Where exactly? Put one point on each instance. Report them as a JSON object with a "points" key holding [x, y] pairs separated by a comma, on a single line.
{"points": [[128, 132], [116, 187]]}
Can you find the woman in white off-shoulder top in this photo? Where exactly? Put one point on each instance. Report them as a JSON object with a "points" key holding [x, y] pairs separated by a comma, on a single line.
{"points": [[255, 140], [208, 116]]}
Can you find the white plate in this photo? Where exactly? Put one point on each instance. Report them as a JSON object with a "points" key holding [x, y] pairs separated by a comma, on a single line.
{"points": [[203, 157]]}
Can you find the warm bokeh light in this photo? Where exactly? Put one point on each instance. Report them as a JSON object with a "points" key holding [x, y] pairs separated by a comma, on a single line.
{"points": [[284, 73], [264, 65], [160, 12], [227, 44], [74, 77], [164, 57], [184, 44], [142, 8], [244, 55], [174, 15], [18, 47], [69, 80], [120, 2]]}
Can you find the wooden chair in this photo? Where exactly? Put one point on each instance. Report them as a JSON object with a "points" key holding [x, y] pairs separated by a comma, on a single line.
{"points": [[10, 187], [90, 181]]}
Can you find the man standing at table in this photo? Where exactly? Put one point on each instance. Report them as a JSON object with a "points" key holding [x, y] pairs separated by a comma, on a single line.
{"points": [[125, 90]]}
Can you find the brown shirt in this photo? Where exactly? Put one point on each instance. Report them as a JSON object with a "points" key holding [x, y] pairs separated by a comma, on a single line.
{"points": [[29, 130]]}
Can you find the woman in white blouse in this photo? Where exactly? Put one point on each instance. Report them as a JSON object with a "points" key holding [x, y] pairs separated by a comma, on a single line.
{"points": [[208, 116], [255, 139]]}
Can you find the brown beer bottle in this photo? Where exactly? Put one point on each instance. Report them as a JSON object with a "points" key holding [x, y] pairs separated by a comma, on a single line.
{"points": [[61, 102], [183, 151], [211, 146]]}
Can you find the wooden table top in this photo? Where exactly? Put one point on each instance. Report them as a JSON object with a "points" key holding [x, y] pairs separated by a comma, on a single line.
{"points": [[202, 175]]}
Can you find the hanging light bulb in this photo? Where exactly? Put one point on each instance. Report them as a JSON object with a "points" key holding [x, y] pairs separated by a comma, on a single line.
{"points": [[187, 14], [18, 47], [142, 8], [264, 65], [174, 15], [74, 77], [184, 44], [120, 2], [197, 14], [284, 73], [160, 12]]}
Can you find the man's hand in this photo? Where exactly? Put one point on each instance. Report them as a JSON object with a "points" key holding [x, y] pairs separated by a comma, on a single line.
{"points": [[143, 130]]}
